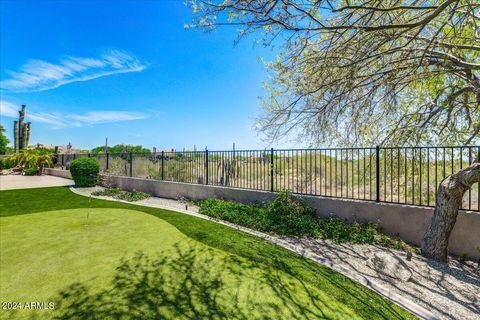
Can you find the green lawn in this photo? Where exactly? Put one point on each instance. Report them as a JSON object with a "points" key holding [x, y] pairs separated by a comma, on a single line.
{"points": [[99, 259]]}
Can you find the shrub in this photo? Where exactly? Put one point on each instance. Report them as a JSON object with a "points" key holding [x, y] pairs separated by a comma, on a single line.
{"points": [[285, 215], [32, 171], [291, 216], [252, 216], [339, 231], [85, 171], [122, 195], [32, 158], [6, 163]]}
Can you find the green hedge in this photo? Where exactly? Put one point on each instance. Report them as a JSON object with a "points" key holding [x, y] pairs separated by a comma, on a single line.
{"points": [[85, 171]]}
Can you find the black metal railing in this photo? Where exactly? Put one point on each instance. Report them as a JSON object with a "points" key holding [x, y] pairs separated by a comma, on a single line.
{"points": [[406, 175]]}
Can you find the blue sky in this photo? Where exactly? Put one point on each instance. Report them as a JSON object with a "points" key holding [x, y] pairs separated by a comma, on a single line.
{"points": [[129, 71]]}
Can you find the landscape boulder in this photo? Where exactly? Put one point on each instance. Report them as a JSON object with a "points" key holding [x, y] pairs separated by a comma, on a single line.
{"points": [[6, 172]]}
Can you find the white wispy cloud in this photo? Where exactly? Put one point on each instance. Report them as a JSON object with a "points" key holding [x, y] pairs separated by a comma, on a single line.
{"points": [[97, 117], [58, 120], [8, 109], [39, 75]]}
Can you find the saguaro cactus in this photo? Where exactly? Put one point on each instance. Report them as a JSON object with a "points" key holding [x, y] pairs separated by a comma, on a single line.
{"points": [[27, 136], [21, 131], [15, 136], [23, 140], [226, 169]]}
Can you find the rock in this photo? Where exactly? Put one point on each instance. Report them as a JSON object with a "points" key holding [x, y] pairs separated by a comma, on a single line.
{"points": [[11, 171], [391, 265], [17, 169]]}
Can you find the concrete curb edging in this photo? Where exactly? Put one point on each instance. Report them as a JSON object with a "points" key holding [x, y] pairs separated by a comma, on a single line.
{"points": [[405, 303]]}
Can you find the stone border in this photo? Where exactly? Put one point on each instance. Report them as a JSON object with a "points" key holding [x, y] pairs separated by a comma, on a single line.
{"points": [[384, 291]]}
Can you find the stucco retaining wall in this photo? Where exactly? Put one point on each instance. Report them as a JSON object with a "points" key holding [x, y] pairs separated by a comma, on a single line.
{"points": [[57, 172], [406, 221]]}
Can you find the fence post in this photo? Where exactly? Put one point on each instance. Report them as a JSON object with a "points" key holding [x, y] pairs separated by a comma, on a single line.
{"points": [[131, 164], [272, 189], [377, 173], [63, 160], [163, 156], [106, 161], [206, 166]]}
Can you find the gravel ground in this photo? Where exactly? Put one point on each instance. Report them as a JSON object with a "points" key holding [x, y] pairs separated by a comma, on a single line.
{"points": [[448, 291], [445, 291]]}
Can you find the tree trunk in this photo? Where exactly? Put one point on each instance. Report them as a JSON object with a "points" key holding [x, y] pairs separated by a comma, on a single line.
{"points": [[448, 202]]}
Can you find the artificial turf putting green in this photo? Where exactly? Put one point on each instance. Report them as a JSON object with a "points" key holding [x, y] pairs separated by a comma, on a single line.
{"points": [[128, 261]]}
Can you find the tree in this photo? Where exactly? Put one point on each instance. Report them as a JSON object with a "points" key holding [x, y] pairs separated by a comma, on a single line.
{"points": [[364, 71], [3, 141], [449, 200], [369, 71], [120, 148]]}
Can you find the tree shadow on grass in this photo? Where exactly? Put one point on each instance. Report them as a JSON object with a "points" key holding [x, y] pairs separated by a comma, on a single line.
{"points": [[193, 283], [151, 288]]}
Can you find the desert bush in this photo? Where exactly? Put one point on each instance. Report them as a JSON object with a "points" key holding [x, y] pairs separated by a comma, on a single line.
{"points": [[252, 216], [291, 216], [85, 171], [340, 231], [285, 215]]}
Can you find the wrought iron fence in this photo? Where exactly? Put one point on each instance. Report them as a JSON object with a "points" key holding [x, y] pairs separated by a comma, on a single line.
{"points": [[406, 175]]}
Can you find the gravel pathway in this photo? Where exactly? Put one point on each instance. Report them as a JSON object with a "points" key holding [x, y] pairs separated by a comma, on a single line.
{"points": [[448, 291], [427, 288]]}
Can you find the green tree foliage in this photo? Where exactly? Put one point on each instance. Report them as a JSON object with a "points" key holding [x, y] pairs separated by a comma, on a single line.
{"points": [[3, 141], [364, 71], [120, 148], [9, 150]]}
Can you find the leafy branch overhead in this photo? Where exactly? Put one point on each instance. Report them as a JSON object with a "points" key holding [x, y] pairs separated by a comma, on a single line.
{"points": [[407, 69]]}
